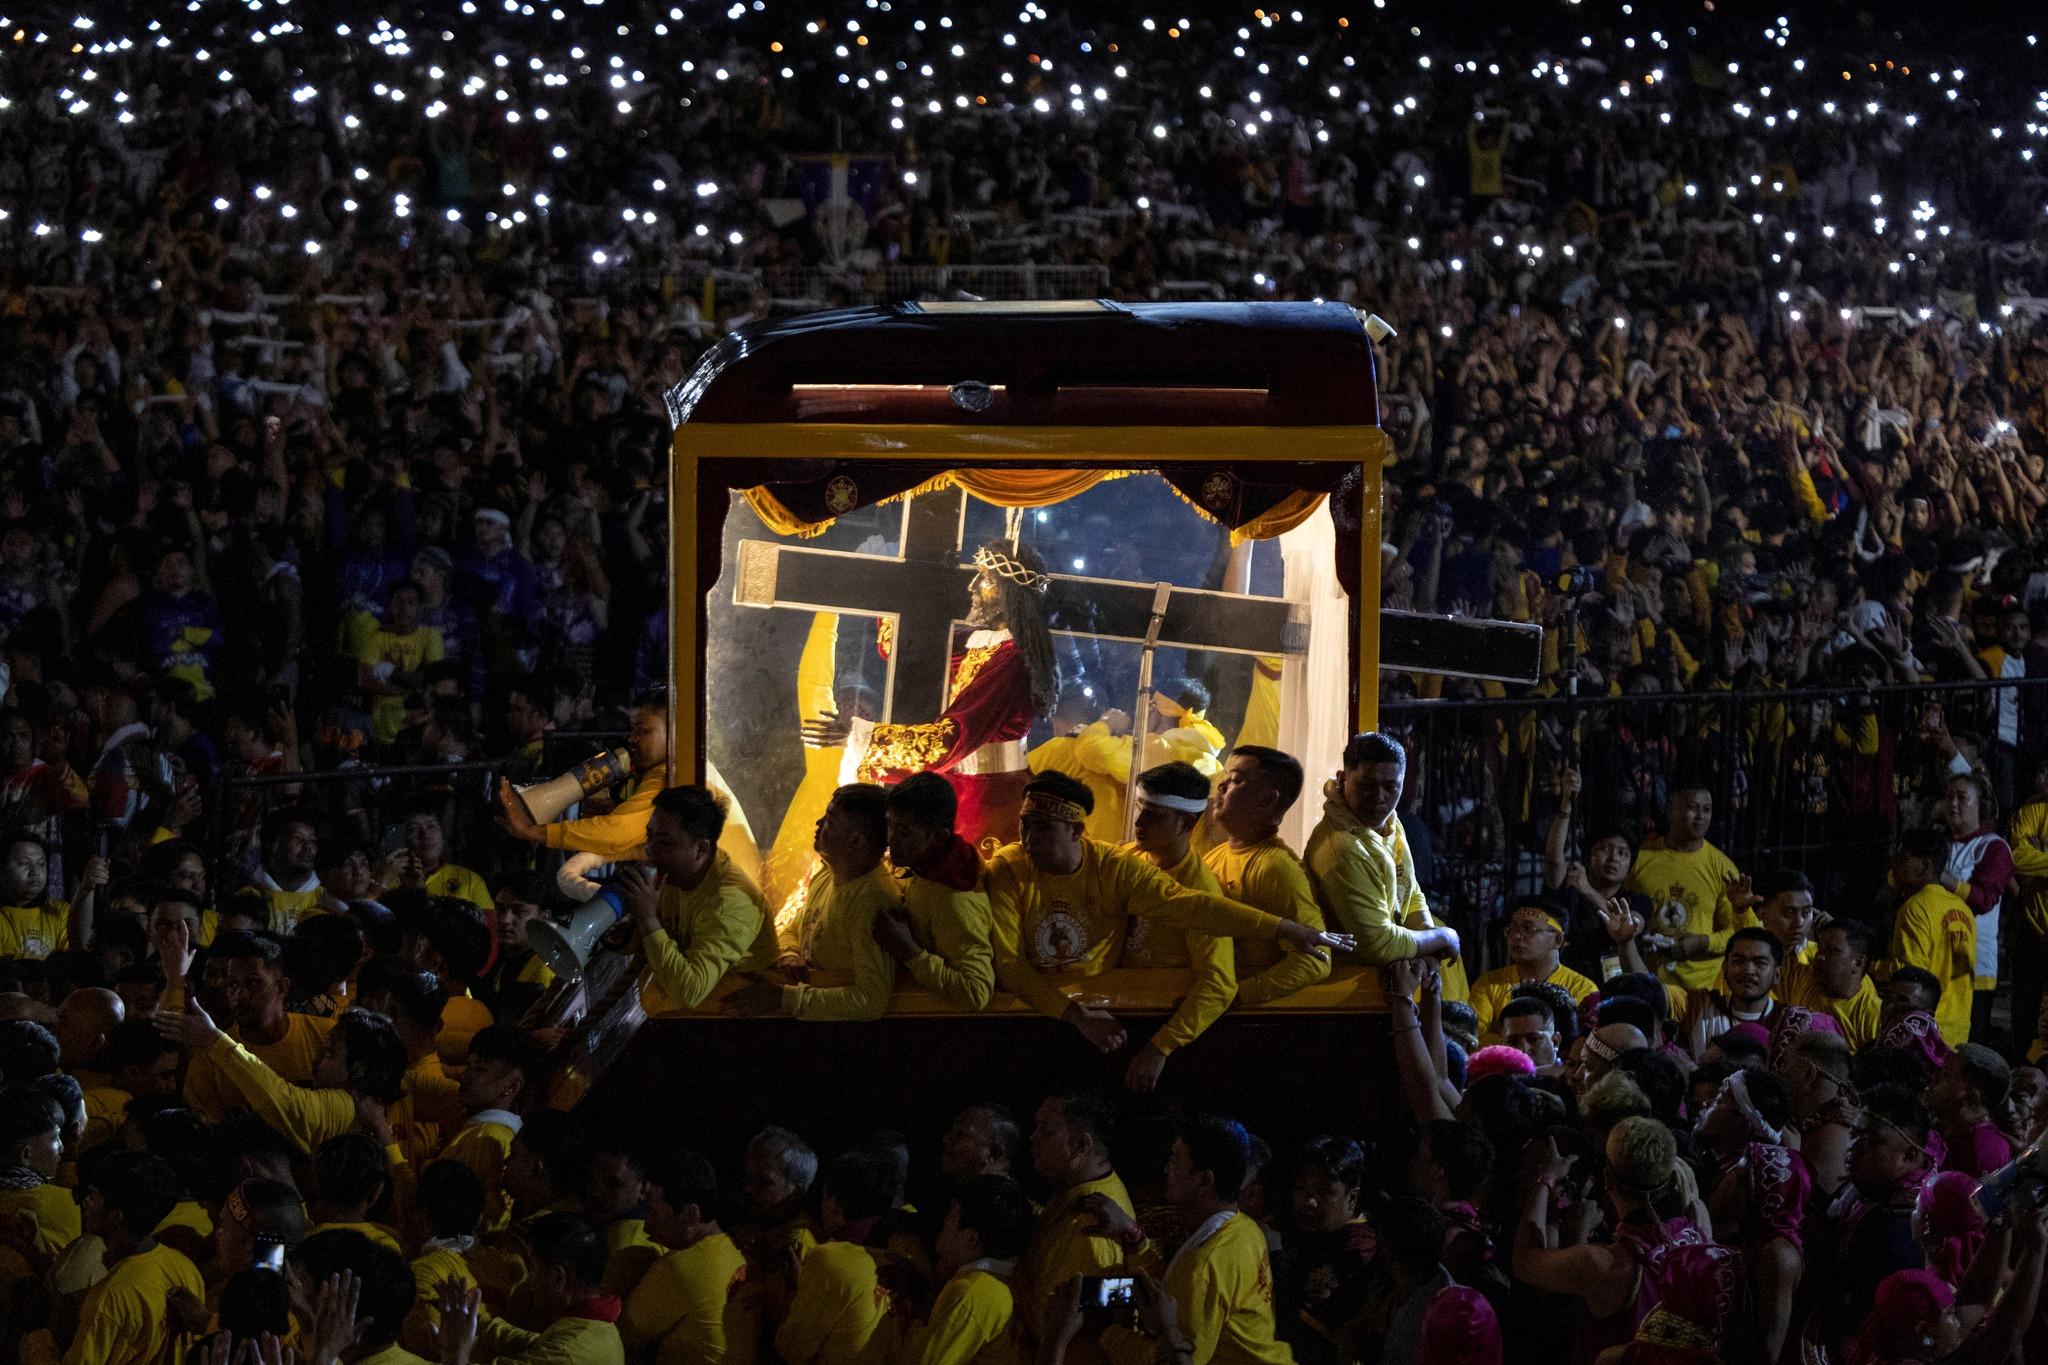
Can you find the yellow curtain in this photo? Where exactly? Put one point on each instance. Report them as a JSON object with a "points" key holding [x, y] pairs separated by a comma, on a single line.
{"points": [[1035, 488]]}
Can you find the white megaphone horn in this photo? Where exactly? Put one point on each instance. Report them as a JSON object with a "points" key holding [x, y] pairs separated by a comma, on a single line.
{"points": [[566, 948], [546, 800]]}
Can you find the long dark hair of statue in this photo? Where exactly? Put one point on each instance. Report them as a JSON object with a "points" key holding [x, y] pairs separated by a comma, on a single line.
{"points": [[1024, 616]]}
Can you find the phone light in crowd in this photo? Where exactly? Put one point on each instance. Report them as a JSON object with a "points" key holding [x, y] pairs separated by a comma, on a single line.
{"points": [[312, 247], [1446, 329], [1621, 324], [598, 258], [263, 192], [220, 205]]}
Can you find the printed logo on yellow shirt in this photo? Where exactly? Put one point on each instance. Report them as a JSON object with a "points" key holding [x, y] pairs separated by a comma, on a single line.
{"points": [[32, 945], [1060, 939], [1673, 913]]}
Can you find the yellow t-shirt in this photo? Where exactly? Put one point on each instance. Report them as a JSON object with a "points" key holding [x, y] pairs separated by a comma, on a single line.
{"points": [[1064, 1244], [429, 1269], [1857, 1015], [973, 1322], [106, 1108], [1224, 1285], [35, 931], [1367, 884], [214, 1098], [833, 934], [1935, 931], [706, 931], [1689, 889], [1212, 961], [2029, 846], [123, 1320], [840, 1313], [55, 1210], [382, 1235], [287, 908], [462, 1018], [685, 1304], [952, 930], [482, 1145], [450, 880], [1050, 928], [630, 1254], [1491, 992], [1267, 876], [407, 653]]}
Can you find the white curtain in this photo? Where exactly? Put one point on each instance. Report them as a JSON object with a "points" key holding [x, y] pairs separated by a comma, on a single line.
{"points": [[1315, 690]]}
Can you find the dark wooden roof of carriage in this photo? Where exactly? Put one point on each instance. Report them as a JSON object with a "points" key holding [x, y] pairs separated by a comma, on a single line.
{"points": [[1081, 364]]}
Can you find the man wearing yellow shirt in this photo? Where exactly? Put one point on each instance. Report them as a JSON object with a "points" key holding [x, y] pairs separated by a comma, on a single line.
{"points": [[503, 1074], [1059, 904], [568, 1270], [974, 1320], [1934, 929], [140, 1061], [517, 976], [833, 933], [841, 1312], [1836, 982], [384, 1286], [412, 998], [614, 1185], [1222, 1275], [704, 917], [390, 656], [1254, 867], [940, 933], [1365, 878], [1171, 800], [776, 1175], [423, 861], [1691, 885], [447, 1209], [31, 1151], [125, 1318], [451, 938], [1070, 1143], [1535, 937], [287, 880], [350, 1179], [684, 1306], [252, 975]]}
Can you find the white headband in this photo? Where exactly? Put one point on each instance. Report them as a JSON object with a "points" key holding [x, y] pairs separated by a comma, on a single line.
{"points": [[1738, 1086], [493, 514], [1186, 805]]}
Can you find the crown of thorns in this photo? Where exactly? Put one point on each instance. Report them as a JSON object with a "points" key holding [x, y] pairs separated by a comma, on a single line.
{"points": [[1000, 564]]}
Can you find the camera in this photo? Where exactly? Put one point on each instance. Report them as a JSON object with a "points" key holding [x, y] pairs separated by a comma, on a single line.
{"points": [[1577, 581], [1114, 1295]]}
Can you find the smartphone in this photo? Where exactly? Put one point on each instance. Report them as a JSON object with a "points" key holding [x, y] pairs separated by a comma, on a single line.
{"points": [[269, 1255], [1110, 1293]]}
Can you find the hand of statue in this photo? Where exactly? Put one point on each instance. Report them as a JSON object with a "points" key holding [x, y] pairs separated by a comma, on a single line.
{"points": [[1099, 1027], [1142, 1075], [892, 931], [513, 816], [1117, 719], [828, 731]]}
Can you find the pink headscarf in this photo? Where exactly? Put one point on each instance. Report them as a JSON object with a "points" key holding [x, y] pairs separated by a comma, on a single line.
{"points": [[1756, 1033], [1459, 1328], [1792, 1021], [1779, 1185], [1917, 1032], [1698, 1286], [1498, 1060], [1902, 1318], [1954, 1228]]}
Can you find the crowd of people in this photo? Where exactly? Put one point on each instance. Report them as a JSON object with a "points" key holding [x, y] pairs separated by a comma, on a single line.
{"points": [[332, 356]]}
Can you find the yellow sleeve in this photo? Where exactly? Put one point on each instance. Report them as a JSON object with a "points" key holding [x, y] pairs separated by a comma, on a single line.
{"points": [[483, 1148], [1099, 751], [822, 1296], [1149, 893], [1804, 493], [1019, 977], [207, 1092], [616, 834], [962, 966], [1725, 923], [1280, 882], [971, 1312], [656, 1304], [1214, 986], [307, 1117], [718, 941], [1916, 942], [874, 971], [499, 1339], [1357, 892], [111, 1332], [432, 651], [2027, 860]]}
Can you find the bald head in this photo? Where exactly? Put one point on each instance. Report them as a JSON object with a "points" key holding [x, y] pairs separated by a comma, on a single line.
{"points": [[84, 1020], [1598, 1051]]}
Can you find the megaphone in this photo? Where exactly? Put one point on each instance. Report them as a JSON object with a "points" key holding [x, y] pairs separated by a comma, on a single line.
{"points": [[546, 800], [566, 948]]}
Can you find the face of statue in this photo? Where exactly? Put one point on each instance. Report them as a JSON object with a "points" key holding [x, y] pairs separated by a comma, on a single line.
{"points": [[985, 602]]}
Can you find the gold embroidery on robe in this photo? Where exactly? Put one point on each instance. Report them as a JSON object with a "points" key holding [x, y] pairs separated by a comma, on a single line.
{"points": [[907, 748]]}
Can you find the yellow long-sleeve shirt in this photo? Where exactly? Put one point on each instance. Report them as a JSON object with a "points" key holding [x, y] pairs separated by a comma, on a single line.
{"points": [[2029, 844], [840, 1313], [462, 1018], [1491, 992], [566, 1341], [1212, 961], [54, 1209], [483, 1144], [433, 1093], [974, 1322], [124, 1319], [630, 1254], [305, 1116], [106, 1108], [681, 1305], [429, 1269], [1367, 885], [706, 931], [35, 931], [1099, 761], [1065, 1244], [1049, 927], [212, 1096], [620, 832], [1935, 931], [834, 936], [1224, 1284], [952, 930], [1267, 876], [1689, 889]]}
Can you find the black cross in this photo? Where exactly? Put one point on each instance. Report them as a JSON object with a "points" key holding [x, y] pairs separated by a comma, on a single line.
{"points": [[924, 588]]}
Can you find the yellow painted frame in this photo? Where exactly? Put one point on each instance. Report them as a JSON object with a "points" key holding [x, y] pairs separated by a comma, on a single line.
{"points": [[1115, 447]]}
